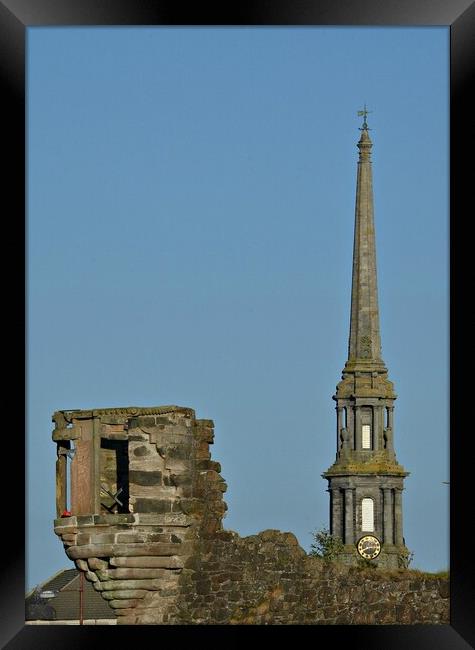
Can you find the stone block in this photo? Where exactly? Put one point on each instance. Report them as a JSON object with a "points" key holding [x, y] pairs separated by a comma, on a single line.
{"points": [[204, 423], [82, 565], [141, 477], [137, 573], [91, 576], [132, 538], [189, 506], [123, 604], [112, 520], [176, 465], [115, 435], [151, 463], [138, 435], [130, 617], [179, 452], [95, 538], [163, 420], [142, 450], [114, 419], [152, 505], [170, 562], [149, 619], [123, 594], [67, 433], [102, 574], [184, 478], [209, 465], [65, 525], [145, 421], [162, 519], [85, 520], [116, 586], [126, 550], [95, 563]]}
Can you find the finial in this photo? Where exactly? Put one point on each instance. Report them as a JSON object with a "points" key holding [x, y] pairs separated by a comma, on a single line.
{"points": [[364, 112]]}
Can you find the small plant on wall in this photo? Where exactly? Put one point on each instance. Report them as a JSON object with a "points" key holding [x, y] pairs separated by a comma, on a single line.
{"points": [[325, 545], [405, 558]]}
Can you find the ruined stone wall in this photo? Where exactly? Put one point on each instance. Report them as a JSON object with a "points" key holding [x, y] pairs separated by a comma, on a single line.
{"points": [[161, 556], [269, 579], [133, 551]]}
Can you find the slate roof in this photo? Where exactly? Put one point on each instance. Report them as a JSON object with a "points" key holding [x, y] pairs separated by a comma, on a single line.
{"points": [[59, 580], [64, 606]]}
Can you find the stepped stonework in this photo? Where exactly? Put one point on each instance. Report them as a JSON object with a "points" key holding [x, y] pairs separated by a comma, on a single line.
{"points": [[140, 508], [143, 490]]}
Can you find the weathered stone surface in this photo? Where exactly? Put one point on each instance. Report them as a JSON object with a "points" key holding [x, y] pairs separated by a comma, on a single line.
{"points": [[91, 576], [122, 585], [162, 519], [149, 492], [95, 537], [137, 435], [123, 604], [95, 563], [145, 478], [136, 573], [142, 450], [109, 550], [82, 565], [110, 519], [226, 581], [132, 538], [122, 594], [171, 562], [153, 505]]}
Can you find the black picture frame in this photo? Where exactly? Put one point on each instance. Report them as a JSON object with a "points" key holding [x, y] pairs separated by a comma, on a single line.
{"points": [[15, 17]]}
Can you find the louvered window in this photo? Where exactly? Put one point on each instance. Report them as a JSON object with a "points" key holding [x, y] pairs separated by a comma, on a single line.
{"points": [[366, 436], [367, 515]]}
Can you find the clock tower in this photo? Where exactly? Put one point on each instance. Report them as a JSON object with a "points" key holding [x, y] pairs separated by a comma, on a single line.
{"points": [[366, 482]]}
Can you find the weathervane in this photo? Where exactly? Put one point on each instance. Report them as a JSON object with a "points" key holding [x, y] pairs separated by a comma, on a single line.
{"points": [[364, 112]]}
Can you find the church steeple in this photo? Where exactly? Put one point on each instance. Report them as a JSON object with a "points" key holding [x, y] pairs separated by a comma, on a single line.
{"points": [[364, 348], [366, 481]]}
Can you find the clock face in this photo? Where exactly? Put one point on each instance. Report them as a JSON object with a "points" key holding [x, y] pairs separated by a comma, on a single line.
{"points": [[369, 547]]}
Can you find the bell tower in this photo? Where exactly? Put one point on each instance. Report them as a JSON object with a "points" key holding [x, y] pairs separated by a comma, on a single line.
{"points": [[366, 482]]}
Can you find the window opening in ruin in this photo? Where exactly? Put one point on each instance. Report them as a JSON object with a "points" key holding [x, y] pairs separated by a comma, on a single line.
{"points": [[65, 453], [367, 515], [69, 458], [114, 476]]}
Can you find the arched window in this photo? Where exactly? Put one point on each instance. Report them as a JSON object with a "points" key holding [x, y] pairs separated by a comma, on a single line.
{"points": [[367, 515]]}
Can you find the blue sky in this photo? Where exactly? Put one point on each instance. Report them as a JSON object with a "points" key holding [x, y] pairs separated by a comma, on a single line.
{"points": [[190, 228]]}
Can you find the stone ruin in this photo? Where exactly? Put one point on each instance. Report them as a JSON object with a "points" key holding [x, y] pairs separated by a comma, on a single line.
{"points": [[140, 505], [143, 490]]}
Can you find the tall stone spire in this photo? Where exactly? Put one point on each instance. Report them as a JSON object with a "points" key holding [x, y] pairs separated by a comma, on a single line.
{"points": [[366, 482], [364, 348]]}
